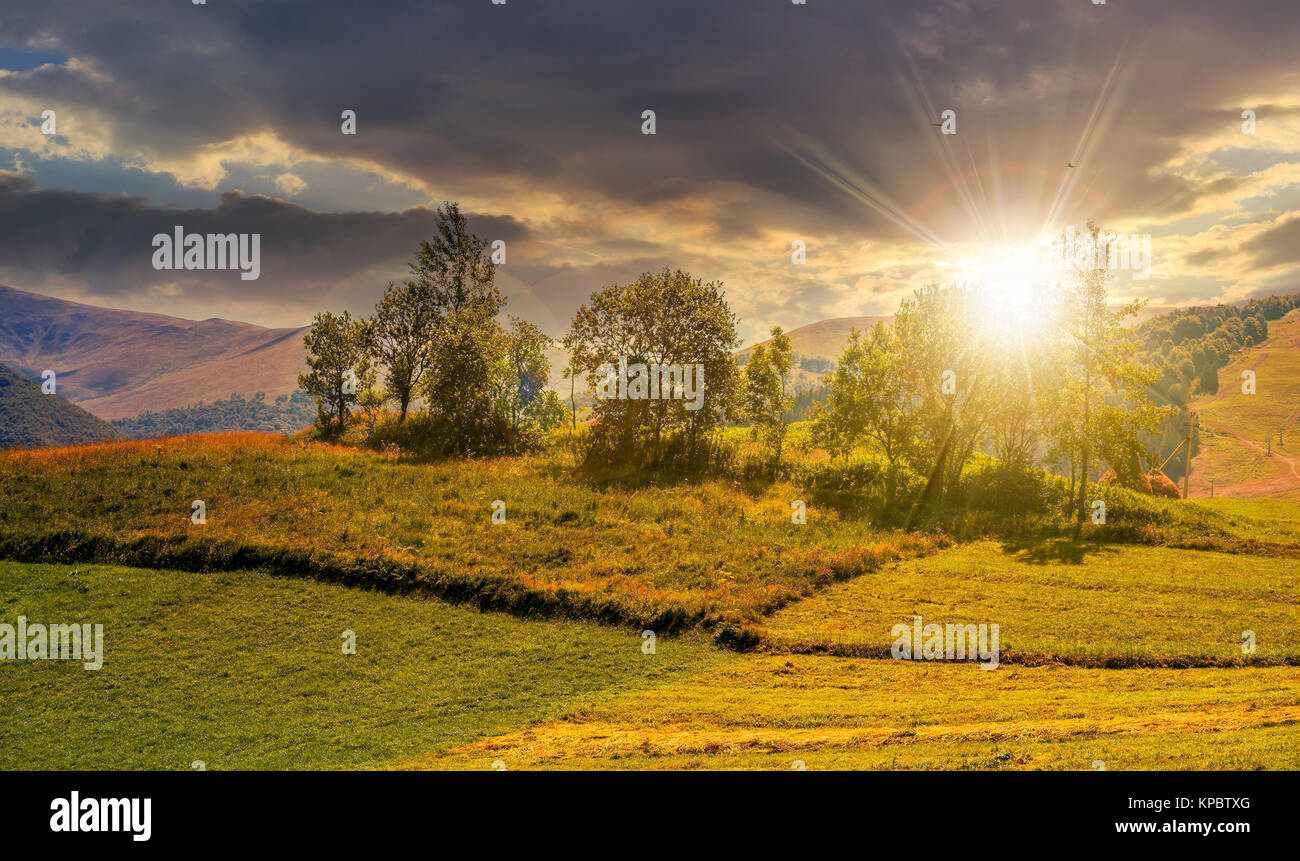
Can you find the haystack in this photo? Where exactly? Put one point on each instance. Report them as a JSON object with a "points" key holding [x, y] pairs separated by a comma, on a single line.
{"points": [[1161, 485], [1140, 483]]}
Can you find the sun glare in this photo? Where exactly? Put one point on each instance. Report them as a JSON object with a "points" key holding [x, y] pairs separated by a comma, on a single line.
{"points": [[1014, 283]]}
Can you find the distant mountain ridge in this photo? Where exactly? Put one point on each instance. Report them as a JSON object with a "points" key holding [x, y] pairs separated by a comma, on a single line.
{"points": [[30, 418], [122, 363]]}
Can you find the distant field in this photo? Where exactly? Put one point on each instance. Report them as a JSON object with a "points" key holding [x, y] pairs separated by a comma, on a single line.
{"points": [[241, 670], [1264, 519], [1092, 605]]}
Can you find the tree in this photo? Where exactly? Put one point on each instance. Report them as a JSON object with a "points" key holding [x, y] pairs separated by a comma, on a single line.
{"points": [[464, 381], [943, 363], [528, 405], [765, 400], [1105, 402], [868, 397], [455, 268], [667, 323], [404, 322], [338, 360], [455, 286]]}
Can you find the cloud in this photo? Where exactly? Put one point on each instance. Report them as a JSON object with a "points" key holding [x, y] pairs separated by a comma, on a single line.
{"points": [[529, 114]]}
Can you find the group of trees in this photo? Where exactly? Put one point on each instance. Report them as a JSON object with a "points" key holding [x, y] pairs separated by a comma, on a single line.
{"points": [[661, 322], [945, 379], [435, 338], [1073, 387]]}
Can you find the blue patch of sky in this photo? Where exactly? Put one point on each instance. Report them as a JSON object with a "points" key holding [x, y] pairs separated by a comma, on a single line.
{"points": [[19, 58], [330, 187], [106, 176]]}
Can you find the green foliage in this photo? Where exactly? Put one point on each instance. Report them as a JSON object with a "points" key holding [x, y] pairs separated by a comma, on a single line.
{"points": [[530, 408], [338, 358], [765, 400], [404, 323], [665, 319], [286, 414], [29, 417]]}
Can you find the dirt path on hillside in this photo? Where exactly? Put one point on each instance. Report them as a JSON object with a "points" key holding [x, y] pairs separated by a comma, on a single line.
{"points": [[1284, 480]]}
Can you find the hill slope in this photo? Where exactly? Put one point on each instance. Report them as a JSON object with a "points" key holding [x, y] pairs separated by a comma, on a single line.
{"points": [[29, 417], [817, 346], [1236, 427], [122, 363]]}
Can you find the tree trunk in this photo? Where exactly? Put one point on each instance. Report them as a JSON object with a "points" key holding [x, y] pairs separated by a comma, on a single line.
{"points": [[1083, 439]]}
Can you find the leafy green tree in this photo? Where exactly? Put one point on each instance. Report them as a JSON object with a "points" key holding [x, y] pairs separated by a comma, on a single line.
{"points": [[528, 405], [467, 363], [943, 363], [338, 362], [455, 268], [767, 375], [668, 319], [1105, 403], [403, 324], [868, 398]]}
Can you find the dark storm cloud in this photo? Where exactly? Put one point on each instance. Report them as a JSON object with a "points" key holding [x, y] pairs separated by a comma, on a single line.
{"points": [[547, 96], [105, 242]]}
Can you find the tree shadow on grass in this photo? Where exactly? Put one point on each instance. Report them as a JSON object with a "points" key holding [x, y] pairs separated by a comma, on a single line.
{"points": [[1037, 550]]}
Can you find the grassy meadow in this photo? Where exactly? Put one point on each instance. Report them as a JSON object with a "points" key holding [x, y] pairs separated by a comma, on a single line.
{"points": [[520, 642]]}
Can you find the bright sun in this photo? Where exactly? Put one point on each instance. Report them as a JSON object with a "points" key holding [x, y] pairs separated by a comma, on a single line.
{"points": [[1014, 282]]}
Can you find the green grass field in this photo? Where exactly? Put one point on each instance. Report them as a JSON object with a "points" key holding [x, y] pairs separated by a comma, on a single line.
{"points": [[243, 670], [1057, 601]]}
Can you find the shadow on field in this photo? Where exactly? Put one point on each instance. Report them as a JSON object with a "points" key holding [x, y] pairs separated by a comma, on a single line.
{"points": [[1044, 551]]}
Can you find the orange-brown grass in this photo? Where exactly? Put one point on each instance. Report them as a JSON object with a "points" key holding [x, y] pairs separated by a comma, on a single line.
{"points": [[713, 552]]}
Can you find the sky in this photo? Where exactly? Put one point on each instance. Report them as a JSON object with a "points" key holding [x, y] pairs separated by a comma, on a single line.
{"points": [[775, 123]]}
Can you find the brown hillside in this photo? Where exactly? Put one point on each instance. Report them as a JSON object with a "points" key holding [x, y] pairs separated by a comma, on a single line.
{"points": [[121, 363]]}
